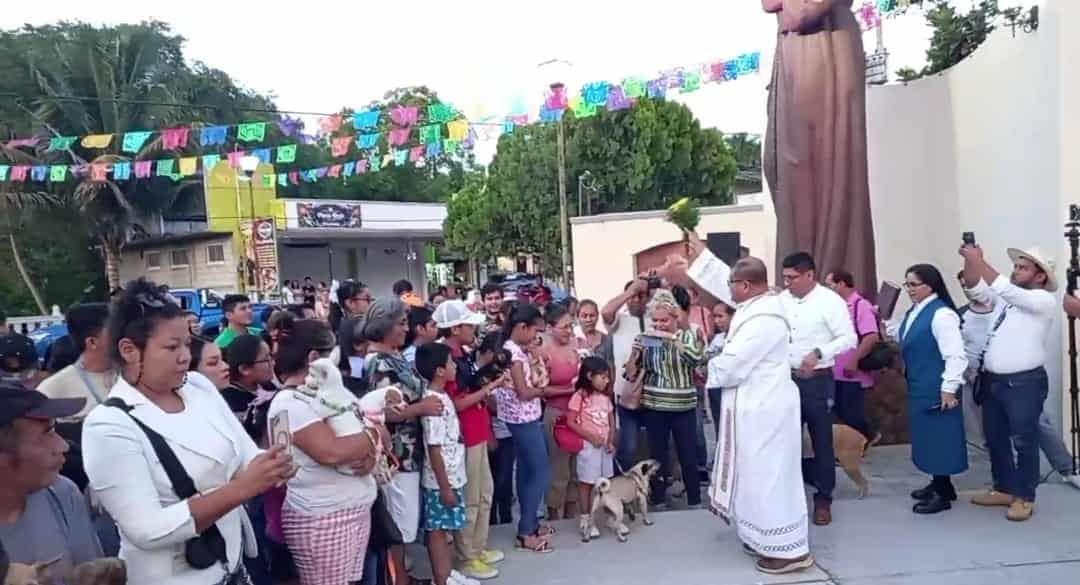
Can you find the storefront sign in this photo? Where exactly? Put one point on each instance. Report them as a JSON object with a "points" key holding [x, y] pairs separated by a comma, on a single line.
{"points": [[260, 266], [328, 215]]}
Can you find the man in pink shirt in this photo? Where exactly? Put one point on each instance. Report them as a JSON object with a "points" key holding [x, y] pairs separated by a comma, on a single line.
{"points": [[852, 383]]}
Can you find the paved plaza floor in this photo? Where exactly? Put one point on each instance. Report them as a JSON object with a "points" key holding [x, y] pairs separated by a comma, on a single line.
{"points": [[874, 541]]}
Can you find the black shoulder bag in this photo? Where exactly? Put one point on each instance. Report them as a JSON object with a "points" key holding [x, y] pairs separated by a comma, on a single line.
{"points": [[881, 355], [208, 548]]}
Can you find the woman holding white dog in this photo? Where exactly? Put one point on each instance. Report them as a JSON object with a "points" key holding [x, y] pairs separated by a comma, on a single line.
{"points": [[327, 514]]}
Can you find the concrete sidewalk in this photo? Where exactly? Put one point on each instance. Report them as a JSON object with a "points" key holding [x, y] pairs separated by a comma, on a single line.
{"points": [[875, 541]]}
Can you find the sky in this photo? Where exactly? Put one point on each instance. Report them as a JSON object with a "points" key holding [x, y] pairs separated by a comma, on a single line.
{"points": [[481, 55]]}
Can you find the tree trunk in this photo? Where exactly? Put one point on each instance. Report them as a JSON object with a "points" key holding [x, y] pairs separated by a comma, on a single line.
{"points": [[112, 264], [26, 275]]}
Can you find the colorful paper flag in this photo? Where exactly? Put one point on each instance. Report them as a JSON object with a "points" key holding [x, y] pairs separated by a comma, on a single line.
{"points": [[450, 146], [595, 94], [97, 140], [633, 87], [458, 129], [361, 166], [143, 168], [350, 168], [174, 138], [294, 177], [61, 143], [434, 149], [367, 141], [365, 120], [39, 172], [405, 115], [716, 71], [374, 164], [438, 113], [340, 145], [330, 124], [58, 173], [234, 158], [121, 171], [617, 100], [134, 141], [263, 154], [556, 99], [286, 153], [283, 180], [549, 116], [401, 156], [431, 134], [508, 127], [213, 135], [188, 166], [387, 160], [19, 172], [399, 136], [656, 89], [23, 142], [165, 168], [334, 171], [4, 172], [209, 161], [99, 173], [691, 81], [268, 180], [251, 132], [416, 153]]}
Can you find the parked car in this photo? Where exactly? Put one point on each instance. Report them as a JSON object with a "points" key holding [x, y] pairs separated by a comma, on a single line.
{"points": [[205, 303], [525, 285]]}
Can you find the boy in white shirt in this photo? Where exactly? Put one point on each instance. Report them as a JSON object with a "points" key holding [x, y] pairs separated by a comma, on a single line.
{"points": [[444, 473]]}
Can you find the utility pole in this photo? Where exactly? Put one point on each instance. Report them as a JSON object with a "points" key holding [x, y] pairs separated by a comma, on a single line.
{"points": [[564, 232]]}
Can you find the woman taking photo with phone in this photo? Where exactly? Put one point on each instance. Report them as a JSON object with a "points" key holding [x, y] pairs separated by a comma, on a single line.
{"points": [[934, 364], [172, 533]]}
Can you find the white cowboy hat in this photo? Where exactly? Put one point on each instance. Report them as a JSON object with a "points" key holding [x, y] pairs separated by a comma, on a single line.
{"points": [[1035, 255]]}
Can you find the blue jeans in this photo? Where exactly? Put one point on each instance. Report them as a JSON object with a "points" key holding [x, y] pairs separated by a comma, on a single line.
{"points": [[1011, 413], [630, 423], [533, 472]]}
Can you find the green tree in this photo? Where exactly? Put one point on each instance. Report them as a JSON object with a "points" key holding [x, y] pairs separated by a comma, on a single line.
{"points": [[958, 34], [469, 215], [643, 158], [133, 75]]}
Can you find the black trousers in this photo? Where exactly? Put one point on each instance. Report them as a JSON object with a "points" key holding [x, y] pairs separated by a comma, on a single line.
{"points": [[849, 405], [502, 475], [819, 471], [659, 425]]}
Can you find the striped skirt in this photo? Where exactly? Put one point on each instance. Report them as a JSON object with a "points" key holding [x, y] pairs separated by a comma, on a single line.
{"points": [[328, 549]]}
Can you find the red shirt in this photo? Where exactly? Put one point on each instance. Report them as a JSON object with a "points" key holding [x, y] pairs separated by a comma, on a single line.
{"points": [[475, 420]]}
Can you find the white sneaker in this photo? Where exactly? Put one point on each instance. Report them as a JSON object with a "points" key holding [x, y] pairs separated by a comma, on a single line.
{"points": [[594, 532], [457, 578], [1074, 480]]}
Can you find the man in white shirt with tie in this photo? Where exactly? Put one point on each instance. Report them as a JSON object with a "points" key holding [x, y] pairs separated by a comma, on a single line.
{"points": [[1013, 364], [821, 329]]}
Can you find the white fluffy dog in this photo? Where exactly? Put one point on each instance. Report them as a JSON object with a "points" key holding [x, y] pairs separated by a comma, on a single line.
{"points": [[344, 412]]}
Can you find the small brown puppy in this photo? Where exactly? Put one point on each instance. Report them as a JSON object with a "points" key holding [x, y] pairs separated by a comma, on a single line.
{"points": [[849, 445], [618, 494]]}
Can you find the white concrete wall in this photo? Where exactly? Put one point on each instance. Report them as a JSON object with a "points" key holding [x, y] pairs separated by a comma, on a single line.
{"points": [[982, 147], [605, 245]]}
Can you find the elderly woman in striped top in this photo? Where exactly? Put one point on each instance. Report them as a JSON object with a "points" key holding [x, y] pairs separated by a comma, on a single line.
{"points": [[668, 356]]}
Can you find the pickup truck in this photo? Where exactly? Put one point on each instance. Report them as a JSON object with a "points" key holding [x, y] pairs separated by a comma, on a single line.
{"points": [[205, 303]]}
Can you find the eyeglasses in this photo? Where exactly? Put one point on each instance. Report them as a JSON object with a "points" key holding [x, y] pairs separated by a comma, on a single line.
{"points": [[913, 284], [734, 281]]}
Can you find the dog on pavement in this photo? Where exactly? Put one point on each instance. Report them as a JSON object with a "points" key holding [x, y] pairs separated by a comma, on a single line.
{"points": [[617, 497], [849, 445]]}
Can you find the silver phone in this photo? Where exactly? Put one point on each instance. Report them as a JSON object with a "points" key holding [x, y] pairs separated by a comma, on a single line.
{"points": [[280, 434]]}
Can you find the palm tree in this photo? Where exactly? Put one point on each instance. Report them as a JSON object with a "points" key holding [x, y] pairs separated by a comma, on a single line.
{"points": [[136, 79]]}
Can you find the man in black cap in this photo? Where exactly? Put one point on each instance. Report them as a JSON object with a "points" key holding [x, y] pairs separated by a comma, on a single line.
{"points": [[19, 360], [42, 515]]}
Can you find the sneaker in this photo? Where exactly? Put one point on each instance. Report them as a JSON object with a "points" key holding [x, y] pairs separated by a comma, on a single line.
{"points": [[478, 569], [492, 556], [1073, 480], [583, 527], [457, 578], [993, 498], [594, 532], [1020, 510]]}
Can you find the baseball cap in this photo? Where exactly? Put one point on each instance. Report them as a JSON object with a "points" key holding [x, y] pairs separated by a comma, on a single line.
{"points": [[453, 313], [17, 353], [16, 401]]}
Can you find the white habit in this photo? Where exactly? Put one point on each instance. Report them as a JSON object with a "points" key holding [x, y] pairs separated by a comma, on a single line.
{"points": [[757, 477]]}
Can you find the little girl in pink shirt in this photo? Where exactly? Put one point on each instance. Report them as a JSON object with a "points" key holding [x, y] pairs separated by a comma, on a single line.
{"points": [[591, 414]]}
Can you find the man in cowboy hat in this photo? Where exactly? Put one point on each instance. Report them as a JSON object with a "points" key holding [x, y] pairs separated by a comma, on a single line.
{"points": [[1013, 366]]}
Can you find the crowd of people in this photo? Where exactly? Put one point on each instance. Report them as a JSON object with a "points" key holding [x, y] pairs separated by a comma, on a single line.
{"points": [[215, 461]]}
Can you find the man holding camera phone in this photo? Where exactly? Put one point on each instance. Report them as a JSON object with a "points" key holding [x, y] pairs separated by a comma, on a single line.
{"points": [[1014, 384], [624, 327]]}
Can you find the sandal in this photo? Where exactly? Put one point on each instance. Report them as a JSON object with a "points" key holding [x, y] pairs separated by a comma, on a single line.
{"points": [[539, 546]]}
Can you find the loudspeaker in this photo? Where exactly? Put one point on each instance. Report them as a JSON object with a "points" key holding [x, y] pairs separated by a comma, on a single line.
{"points": [[724, 245]]}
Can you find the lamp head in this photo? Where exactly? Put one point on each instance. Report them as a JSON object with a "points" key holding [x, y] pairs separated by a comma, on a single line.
{"points": [[248, 164]]}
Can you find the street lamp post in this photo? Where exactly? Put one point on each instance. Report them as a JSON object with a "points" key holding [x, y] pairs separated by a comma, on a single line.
{"points": [[558, 71], [249, 164]]}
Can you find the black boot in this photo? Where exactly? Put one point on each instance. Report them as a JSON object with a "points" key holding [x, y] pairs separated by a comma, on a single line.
{"points": [[936, 503], [923, 494]]}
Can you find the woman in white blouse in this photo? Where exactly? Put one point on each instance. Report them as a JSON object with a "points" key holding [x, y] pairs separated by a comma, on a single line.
{"points": [[934, 364], [152, 339]]}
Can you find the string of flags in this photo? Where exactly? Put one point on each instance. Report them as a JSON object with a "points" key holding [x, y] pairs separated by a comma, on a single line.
{"points": [[413, 134], [871, 12]]}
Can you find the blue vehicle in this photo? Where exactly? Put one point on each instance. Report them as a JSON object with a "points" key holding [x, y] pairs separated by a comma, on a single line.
{"points": [[205, 303]]}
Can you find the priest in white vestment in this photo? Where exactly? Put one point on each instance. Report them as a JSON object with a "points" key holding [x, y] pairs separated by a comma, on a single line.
{"points": [[757, 477]]}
